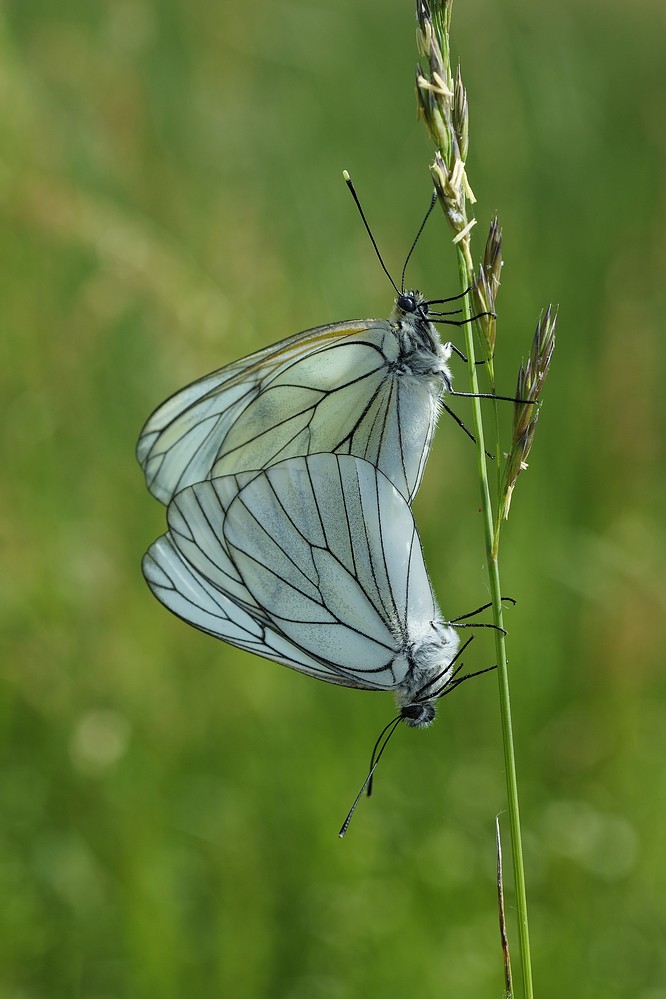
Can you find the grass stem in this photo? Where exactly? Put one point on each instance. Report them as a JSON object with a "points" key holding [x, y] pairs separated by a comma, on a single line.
{"points": [[442, 102], [500, 640]]}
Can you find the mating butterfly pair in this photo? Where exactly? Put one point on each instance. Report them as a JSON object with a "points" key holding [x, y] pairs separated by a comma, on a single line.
{"points": [[288, 477]]}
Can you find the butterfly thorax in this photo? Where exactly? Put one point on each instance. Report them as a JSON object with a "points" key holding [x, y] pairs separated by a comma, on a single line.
{"points": [[429, 659]]}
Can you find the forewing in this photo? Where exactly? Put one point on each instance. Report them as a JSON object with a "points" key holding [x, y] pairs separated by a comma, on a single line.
{"points": [[397, 437], [328, 549], [396, 555], [185, 436], [341, 389]]}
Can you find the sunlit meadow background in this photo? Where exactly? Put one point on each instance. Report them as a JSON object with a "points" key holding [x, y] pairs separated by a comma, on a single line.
{"points": [[170, 181]]}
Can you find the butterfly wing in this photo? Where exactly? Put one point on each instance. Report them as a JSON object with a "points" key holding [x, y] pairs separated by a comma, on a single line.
{"points": [[340, 388], [196, 521], [181, 440], [192, 597], [315, 563], [326, 550]]}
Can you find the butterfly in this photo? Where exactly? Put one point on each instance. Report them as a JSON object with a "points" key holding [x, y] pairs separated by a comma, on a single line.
{"points": [[370, 388], [315, 563]]}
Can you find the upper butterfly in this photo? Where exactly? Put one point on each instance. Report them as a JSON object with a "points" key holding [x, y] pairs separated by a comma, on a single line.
{"points": [[371, 388]]}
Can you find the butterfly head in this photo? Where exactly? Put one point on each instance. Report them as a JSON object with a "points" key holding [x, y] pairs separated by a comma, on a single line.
{"points": [[418, 715], [411, 303]]}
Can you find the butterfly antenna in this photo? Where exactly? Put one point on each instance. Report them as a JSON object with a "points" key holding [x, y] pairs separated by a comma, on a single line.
{"points": [[348, 182], [377, 754], [433, 202]]}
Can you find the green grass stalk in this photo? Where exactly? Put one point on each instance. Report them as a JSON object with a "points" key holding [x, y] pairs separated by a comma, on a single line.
{"points": [[492, 554], [443, 106]]}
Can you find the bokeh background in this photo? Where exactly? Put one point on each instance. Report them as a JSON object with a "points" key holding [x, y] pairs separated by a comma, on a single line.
{"points": [[171, 199]]}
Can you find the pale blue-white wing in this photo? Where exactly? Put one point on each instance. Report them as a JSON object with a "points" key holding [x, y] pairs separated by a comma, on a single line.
{"points": [[180, 441], [183, 438], [192, 597], [343, 388], [197, 517], [349, 397], [398, 437], [329, 551], [196, 521]]}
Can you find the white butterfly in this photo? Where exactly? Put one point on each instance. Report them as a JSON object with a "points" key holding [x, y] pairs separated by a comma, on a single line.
{"points": [[315, 563], [370, 388]]}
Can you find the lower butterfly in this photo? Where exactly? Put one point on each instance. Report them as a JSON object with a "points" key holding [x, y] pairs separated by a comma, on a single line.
{"points": [[370, 388], [314, 563]]}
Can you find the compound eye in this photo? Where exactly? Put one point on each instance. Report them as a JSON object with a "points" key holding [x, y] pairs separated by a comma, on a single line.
{"points": [[418, 715], [407, 303]]}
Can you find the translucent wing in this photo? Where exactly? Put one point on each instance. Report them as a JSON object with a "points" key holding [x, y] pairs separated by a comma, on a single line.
{"points": [[181, 440], [328, 548], [324, 552], [349, 388], [190, 596]]}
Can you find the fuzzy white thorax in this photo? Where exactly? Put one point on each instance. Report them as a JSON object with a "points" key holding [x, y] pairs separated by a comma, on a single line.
{"points": [[430, 659]]}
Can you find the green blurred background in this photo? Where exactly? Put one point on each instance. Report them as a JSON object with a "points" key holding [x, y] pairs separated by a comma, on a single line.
{"points": [[172, 199]]}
